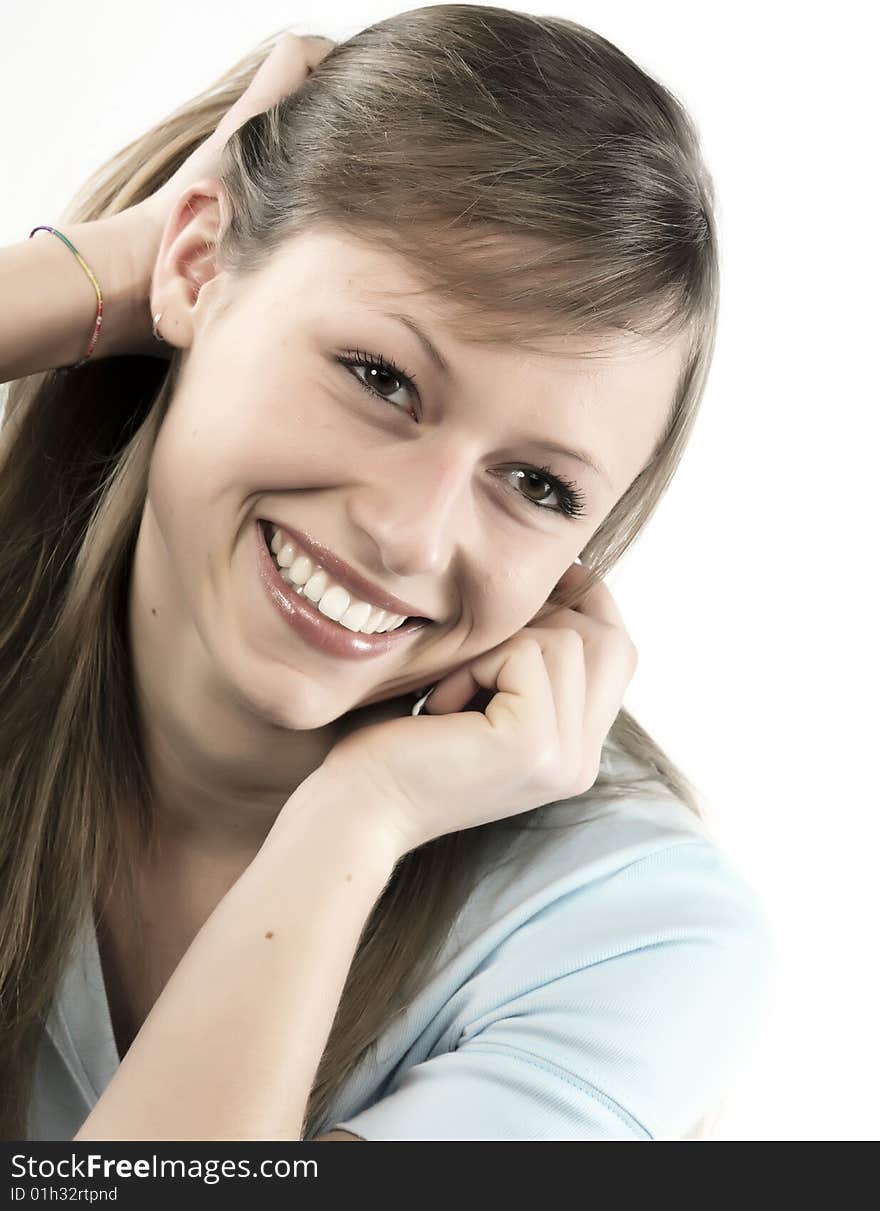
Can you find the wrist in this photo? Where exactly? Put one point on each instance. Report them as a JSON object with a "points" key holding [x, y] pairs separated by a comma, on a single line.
{"points": [[117, 250], [348, 813]]}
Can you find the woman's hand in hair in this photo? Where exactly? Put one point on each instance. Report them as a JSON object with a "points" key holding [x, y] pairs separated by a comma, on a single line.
{"points": [[553, 692], [282, 72]]}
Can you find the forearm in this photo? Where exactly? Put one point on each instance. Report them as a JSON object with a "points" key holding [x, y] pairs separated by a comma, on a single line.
{"points": [[231, 1048], [48, 304]]}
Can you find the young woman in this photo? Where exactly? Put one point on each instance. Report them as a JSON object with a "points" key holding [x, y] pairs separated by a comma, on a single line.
{"points": [[400, 342]]}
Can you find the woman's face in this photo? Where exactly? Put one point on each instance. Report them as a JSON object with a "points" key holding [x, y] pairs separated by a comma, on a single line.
{"points": [[434, 493]]}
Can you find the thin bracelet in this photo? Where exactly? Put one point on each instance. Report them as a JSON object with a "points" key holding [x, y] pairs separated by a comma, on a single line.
{"points": [[94, 281]]}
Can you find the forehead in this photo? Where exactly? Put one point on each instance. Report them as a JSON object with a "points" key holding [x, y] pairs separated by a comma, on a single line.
{"points": [[608, 394]]}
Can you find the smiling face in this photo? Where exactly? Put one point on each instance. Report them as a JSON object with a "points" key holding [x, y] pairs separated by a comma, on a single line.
{"points": [[301, 399]]}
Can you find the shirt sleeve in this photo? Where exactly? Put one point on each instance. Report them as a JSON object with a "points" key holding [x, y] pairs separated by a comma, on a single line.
{"points": [[619, 1012]]}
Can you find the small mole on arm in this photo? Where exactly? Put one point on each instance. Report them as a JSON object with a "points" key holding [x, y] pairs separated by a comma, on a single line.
{"points": [[270, 934], [153, 610]]}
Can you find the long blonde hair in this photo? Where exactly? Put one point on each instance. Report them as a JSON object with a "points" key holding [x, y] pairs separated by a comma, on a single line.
{"points": [[539, 180]]}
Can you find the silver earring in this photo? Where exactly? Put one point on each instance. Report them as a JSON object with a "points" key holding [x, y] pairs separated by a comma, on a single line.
{"points": [[417, 709], [157, 335]]}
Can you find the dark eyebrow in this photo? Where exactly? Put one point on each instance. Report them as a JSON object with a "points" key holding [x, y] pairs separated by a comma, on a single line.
{"points": [[581, 456]]}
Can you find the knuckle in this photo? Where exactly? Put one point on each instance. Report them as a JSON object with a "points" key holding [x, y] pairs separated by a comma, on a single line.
{"points": [[572, 638], [631, 652], [564, 640], [530, 642], [622, 642]]}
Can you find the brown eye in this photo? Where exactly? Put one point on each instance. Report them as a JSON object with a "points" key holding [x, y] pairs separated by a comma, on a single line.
{"points": [[380, 374], [571, 500]]}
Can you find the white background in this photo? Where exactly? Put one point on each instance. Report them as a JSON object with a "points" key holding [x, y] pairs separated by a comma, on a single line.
{"points": [[750, 596]]}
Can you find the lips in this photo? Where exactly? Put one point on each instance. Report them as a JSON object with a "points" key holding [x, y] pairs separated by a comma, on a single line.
{"points": [[340, 572], [320, 632]]}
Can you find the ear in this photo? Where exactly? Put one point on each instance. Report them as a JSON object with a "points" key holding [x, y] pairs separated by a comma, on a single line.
{"points": [[187, 264]]}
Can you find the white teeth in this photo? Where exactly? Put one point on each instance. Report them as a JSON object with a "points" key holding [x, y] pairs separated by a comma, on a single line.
{"points": [[316, 585], [335, 602], [284, 558], [377, 617], [382, 620], [311, 581], [301, 569], [356, 615]]}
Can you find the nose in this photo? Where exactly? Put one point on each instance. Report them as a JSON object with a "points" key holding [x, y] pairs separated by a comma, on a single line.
{"points": [[415, 507]]}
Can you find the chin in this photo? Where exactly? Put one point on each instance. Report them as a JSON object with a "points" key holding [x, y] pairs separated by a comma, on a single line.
{"points": [[289, 701], [305, 712], [297, 701]]}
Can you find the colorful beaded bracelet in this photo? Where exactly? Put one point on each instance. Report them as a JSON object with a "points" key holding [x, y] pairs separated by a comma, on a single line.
{"points": [[94, 281]]}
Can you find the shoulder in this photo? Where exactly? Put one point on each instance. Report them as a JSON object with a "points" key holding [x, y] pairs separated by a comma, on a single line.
{"points": [[684, 899], [632, 851], [621, 975]]}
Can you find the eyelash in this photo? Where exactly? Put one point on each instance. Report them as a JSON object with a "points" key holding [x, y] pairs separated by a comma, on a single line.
{"points": [[573, 500]]}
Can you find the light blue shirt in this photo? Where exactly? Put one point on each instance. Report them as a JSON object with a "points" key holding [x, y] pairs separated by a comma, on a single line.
{"points": [[603, 984]]}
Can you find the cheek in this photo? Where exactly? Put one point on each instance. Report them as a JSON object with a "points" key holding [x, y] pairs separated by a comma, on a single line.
{"points": [[204, 450], [174, 471], [512, 595], [194, 484]]}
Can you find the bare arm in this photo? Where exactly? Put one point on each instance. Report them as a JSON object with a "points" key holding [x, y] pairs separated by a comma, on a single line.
{"points": [[231, 1048], [48, 304]]}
